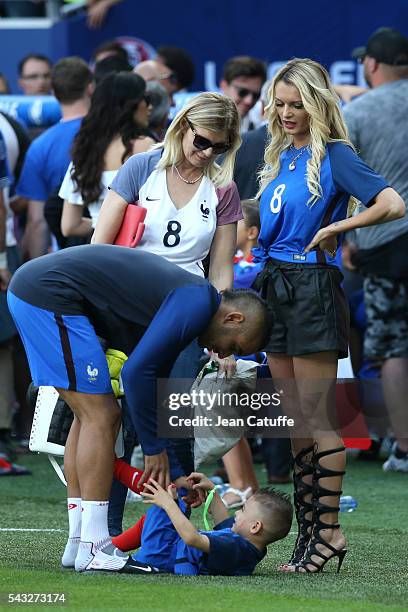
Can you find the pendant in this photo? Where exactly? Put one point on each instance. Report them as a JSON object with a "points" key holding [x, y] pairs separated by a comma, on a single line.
{"points": [[292, 166]]}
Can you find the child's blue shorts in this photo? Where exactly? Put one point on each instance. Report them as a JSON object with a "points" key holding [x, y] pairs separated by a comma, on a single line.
{"points": [[62, 350], [161, 543]]}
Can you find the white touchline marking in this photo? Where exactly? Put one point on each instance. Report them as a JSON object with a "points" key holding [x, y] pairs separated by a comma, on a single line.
{"points": [[24, 529], [64, 530]]}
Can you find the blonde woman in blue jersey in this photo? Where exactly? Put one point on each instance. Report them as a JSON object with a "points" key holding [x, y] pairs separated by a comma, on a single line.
{"points": [[307, 188]]}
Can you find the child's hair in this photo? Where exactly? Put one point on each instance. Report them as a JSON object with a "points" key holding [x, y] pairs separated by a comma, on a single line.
{"points": [[250, 209], [277, 513]]}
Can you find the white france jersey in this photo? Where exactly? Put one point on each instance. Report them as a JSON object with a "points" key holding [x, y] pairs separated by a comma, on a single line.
{"points": [[182, 236], [68, 191]]}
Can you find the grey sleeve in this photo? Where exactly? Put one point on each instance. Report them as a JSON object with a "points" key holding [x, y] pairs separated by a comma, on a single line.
{"points": [[133, 175], [351, 119]]}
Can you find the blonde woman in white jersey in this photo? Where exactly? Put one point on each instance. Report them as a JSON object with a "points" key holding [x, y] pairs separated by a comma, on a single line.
{"points": [[192, 203]]}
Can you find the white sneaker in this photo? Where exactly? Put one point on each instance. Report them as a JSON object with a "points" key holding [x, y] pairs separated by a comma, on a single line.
{"points": [[103, 556], [393, 464]]}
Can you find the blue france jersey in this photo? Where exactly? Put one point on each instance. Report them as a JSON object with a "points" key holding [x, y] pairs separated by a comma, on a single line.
{"points": [[289, 223], [230, 554]]}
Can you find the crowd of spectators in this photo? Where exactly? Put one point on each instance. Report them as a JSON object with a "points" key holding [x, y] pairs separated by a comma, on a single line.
{"points": [[112, 111]]}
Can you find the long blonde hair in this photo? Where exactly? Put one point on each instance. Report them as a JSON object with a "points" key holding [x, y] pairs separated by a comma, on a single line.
{"points": [[326, 123], [209, 111]]}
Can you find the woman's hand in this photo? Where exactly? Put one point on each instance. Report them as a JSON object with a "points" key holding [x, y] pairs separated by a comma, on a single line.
{"points": [[325, 239], [227, 365], [329, 245]]}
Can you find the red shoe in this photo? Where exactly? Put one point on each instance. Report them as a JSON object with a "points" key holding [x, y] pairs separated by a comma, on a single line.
{"points": [[12, 469]]}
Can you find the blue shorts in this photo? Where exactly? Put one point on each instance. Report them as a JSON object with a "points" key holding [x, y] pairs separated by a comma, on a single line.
{"points": [[161, 544], [62, 350], [159, 540]]}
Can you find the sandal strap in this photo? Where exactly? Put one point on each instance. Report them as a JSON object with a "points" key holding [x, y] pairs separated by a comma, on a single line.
{"points": [[331, 451], [323, 472], [312, 550], [243, 495]]}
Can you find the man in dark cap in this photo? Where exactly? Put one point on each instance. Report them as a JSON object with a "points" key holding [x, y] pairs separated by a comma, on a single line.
{"points": [[378, 127]]}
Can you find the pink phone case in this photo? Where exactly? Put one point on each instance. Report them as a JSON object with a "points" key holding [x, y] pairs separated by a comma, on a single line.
{"points": [[132, 228]]}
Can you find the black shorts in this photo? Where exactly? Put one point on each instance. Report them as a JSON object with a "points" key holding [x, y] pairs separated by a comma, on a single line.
{"points": [[309, 309]]}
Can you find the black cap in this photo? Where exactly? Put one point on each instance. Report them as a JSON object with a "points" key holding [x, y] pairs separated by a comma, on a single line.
{"points": [[387, 46]]}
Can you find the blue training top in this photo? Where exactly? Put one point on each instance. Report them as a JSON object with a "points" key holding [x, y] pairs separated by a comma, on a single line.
{"points": [[47, 161], [138, 302], [289, 223]]}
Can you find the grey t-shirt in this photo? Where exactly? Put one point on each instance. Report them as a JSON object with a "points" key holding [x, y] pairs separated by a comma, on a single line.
{"points": [[378, 127]]}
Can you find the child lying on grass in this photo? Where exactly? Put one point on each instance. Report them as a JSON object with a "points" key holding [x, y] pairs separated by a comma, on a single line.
{"points": [[170, 542]]}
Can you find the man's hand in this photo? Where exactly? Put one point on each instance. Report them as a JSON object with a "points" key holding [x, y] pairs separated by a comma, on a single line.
{"points": [[155, 494], [5, 277], [156, 467], [227, 365]]}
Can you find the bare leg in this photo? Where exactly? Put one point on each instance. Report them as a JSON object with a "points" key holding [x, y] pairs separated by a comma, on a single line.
{"points": [[99, 419], [22, 380], [395, 385], [240, 469], [322, 368], [6, 387], [283, 374], [70, 470]]}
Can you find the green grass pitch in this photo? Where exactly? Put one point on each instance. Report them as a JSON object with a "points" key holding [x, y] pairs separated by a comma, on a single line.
{"points": [[374, 574]]}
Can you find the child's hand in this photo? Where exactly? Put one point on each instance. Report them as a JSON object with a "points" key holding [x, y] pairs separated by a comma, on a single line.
{"points": [[200, 481], [194, 498], [155, 494]]}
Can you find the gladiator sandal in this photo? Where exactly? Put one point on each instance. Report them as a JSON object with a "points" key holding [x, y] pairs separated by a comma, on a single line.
{"points": [[303, 466], [320, 508]]}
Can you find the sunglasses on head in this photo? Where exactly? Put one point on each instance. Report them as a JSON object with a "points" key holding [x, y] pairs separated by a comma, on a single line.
{"points": [[202, 143], [243, 92]]}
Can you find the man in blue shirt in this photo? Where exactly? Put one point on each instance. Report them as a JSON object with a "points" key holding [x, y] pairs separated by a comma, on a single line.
{"points": [[48, 156], [145, 307], [233, 548]]}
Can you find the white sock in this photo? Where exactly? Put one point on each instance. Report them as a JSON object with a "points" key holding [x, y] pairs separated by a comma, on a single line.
{"points": [[95, 538], [74, 520], [94, 526], [94, 531]]}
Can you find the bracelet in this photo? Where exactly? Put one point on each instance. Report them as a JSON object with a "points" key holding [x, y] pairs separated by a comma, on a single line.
{"points": [[206, 507], [3, 259]]}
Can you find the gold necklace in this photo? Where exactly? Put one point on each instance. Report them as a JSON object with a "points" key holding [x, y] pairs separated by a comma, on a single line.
{"points": [[186, 180]]}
